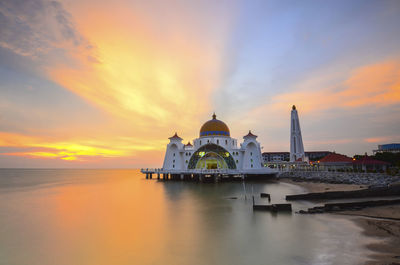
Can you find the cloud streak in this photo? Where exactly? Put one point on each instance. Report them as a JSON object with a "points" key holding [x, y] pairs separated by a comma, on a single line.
{"points": [[73, 149]]}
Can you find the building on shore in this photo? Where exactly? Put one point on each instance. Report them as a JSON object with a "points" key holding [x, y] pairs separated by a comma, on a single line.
{"points": [[285, 156], [335, 161], [391, 148], [367, 163]]}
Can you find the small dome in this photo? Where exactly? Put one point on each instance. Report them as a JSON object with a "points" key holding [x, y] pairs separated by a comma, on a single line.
{"points": [[214, 127]]}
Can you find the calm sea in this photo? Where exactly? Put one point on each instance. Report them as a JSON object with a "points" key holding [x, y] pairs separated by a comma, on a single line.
{"points": [[116, 217]]}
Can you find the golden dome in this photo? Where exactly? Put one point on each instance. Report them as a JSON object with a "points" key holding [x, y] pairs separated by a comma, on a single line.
{"points": [[214, 127]]}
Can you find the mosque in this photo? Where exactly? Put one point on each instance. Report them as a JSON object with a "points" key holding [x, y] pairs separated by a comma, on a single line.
{"points": [[215, 151], [217, 155]]}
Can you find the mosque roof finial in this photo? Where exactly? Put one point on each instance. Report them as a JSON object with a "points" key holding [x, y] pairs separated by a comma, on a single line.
{"points": [[214, 116], [293, 107]]}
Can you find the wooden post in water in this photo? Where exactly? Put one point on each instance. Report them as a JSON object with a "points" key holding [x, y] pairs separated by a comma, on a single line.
{"points": [[158, 175], [244, 189], [147, 175], [182, 177]]}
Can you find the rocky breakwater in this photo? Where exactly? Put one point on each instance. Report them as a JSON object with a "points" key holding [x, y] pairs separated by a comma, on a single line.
{"points": [[375, 192], [392, 190], [372, 179]]}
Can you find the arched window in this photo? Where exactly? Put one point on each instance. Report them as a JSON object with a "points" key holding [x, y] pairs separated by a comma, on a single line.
{"points": [[251, 165], [251, 153], [226, 142], [217, 141], [174, 154], [200, 142], [237, 161]]}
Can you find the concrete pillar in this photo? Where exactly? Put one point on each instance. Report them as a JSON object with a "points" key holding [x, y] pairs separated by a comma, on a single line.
{"points": [[217, 177], [182, 176], [151, 175], [147, 175], [158, 175]]}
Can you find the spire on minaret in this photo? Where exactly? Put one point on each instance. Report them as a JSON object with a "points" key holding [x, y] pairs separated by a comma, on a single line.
{"points": [[296, 140]]}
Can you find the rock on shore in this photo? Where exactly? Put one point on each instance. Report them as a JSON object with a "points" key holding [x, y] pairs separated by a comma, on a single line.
{"points": [[371, 179]]}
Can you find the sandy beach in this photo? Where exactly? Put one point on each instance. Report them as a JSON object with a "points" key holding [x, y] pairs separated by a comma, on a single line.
{"points": [[380, 222]]}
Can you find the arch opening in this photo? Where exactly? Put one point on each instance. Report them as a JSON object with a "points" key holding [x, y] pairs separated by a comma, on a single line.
{"points": [[211, 156]]}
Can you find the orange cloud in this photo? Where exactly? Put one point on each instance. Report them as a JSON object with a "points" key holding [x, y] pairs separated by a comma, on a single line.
{"points": [[377, 84], [378, 139], [152, 78]]}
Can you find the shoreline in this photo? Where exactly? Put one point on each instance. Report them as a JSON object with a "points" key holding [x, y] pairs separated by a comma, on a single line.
{"points": [[382, 222]]}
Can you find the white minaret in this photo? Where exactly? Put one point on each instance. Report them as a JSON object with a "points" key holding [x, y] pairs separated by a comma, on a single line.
{"points": [[296, 141]]}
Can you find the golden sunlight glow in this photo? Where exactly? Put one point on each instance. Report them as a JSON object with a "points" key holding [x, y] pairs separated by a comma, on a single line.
{"points": [[74, 150], [141, 74]]}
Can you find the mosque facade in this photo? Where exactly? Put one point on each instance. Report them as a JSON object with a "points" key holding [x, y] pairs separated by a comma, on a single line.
{"points": [[215, 149]]}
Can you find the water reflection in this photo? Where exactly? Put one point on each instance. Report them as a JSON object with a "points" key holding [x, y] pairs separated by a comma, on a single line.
{"points": [[116, 217]]}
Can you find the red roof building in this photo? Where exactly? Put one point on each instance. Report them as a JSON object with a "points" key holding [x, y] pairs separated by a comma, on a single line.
{"points": [[367, 163], [335, 161], [336, 158]]}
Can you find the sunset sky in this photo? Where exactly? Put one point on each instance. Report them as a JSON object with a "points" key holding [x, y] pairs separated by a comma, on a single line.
{"points": [[87, 83]]}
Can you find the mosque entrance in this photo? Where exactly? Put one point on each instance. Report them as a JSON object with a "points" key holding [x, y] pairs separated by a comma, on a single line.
{"points": [[211, 161], [211, 156]]}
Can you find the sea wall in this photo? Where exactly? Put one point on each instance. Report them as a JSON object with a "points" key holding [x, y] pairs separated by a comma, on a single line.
{"points": [[372, 179]]}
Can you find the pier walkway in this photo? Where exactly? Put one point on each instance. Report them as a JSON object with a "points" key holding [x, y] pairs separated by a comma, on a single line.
{"points": [[209, 174]]}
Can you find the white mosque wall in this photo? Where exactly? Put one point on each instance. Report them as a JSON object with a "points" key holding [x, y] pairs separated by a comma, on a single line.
{"points": [[252, 154], [226, 142], [173, 156], [247, 156]]}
